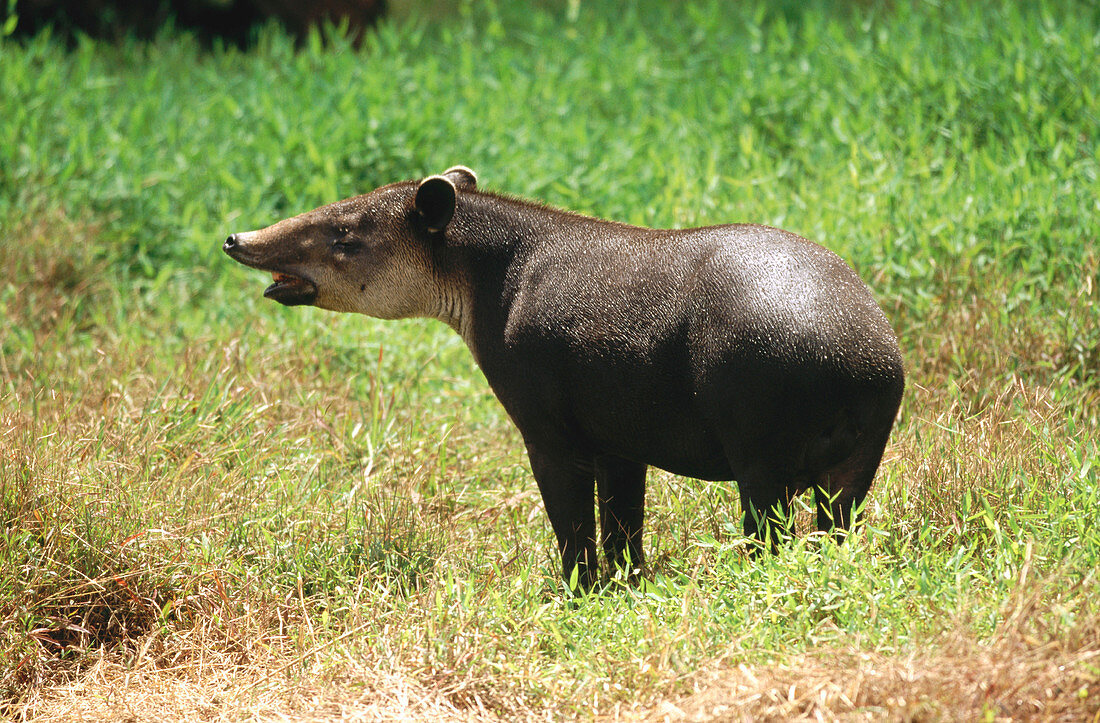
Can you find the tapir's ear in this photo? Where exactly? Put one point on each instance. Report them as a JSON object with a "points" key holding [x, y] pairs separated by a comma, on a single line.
{"points": [[462, 177], [435, 201]]}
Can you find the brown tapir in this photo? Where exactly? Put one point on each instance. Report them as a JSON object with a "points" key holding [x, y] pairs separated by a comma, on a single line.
{"points": [[738, 352]]}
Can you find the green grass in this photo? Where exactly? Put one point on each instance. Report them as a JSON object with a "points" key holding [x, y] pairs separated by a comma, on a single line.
{"points": [[194, 479]]}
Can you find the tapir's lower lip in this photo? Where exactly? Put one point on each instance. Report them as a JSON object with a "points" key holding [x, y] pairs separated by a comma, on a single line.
{"points": [[291, 290]]}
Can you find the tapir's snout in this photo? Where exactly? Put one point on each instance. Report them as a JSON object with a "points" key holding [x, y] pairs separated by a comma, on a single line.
{"points": [[238, 249], [248, 247], [288, 287]]}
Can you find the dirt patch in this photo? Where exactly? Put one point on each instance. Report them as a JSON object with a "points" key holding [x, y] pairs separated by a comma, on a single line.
{"points": [[214, 690], [1012, 678]]}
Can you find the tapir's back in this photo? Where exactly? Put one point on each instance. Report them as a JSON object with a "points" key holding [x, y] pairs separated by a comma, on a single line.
{"points": [[738, 291], [773, 296]]}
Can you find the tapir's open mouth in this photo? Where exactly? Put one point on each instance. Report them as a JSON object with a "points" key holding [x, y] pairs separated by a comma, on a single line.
{"points": [[291, 290]]}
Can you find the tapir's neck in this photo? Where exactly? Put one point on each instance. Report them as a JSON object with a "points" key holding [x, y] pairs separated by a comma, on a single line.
{"points": [[453, 305], [487, 242]]}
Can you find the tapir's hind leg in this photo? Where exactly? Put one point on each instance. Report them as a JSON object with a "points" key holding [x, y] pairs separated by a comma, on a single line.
{"points": [[766, 503], [766, 484], [844, 486]]}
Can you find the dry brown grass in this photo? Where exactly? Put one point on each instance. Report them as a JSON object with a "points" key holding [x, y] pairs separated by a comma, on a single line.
{"points": [[973, 327], [255, 686], [973, 436], [1014, 678], [54, 268]]}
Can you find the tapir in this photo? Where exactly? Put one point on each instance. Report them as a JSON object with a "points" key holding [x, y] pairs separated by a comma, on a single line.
{"points": [[728, 353]]}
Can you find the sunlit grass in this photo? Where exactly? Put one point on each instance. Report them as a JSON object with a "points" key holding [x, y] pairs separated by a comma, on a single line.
{"points": [[195, 482]]}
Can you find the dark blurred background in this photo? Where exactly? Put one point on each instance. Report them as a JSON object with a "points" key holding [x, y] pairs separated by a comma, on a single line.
{"points": [[229, 20]]}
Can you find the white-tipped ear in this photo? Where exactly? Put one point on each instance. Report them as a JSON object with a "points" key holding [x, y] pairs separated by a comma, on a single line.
{"points": [[462, 177], [435, 201]]}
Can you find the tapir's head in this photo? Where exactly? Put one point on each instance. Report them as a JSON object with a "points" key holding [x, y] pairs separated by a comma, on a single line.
{"points": [[372, 254]]}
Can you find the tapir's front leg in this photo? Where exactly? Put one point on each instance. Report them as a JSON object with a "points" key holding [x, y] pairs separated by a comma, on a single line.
{"points": [[620, 485], [566, 479]]}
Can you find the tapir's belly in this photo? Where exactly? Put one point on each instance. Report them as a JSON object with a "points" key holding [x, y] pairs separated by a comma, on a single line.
{"points": [[704, 462], [663, 440], [648, 417]]}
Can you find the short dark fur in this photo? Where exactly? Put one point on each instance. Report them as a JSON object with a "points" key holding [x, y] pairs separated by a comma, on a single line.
{"points": [[738, 352]]}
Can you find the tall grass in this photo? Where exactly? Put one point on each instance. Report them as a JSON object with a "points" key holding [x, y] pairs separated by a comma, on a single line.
{"points": [[285, 505]]}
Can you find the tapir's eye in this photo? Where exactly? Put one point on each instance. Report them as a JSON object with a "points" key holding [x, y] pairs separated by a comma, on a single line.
{"points": [[343, 241]]}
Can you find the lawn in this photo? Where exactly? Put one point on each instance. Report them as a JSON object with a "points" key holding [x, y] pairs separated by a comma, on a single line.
{"points": [[214, 507]]}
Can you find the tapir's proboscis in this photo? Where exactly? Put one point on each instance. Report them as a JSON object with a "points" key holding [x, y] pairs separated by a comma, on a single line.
{"points": [[738, 352]]}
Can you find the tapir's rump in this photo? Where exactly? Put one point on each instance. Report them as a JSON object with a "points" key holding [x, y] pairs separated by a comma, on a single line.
{"points": [[737, 352]]}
